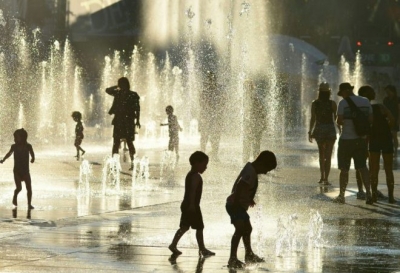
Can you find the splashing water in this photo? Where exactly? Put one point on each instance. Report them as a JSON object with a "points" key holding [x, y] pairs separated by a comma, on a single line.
{"points": [[287, 237], [85, 171], [245, 8], [2, 20], [140, 177], [134, 171], [189, 13], [194, 128], [111, 173], [167, 169], [316, 226]]}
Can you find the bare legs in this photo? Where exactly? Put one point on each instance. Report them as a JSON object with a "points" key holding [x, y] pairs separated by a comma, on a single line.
{"points": [[395, 142], [363, 176], [18, 187], [374, 172], [325, 149], [131, 147], [203, 251], [77, 144], [178, 235]]}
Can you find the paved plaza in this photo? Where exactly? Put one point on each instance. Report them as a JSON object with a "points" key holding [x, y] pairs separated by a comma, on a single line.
{"points": [[78, 227]]}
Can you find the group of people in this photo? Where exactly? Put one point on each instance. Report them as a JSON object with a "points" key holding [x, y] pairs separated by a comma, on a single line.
{"points": [[126, 111], [366, 132], [363, 128]]}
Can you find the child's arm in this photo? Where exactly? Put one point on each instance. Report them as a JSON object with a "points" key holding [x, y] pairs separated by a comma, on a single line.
{"points": [[8, 154], [192, 192], [241, 187], [32, 153]]}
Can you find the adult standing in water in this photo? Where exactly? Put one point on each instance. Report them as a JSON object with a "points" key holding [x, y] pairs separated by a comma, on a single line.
{"points": [[254, 121], [380, 141], [392, 102], [351, 144], [322, 129], [126, 111], [211, 111]]}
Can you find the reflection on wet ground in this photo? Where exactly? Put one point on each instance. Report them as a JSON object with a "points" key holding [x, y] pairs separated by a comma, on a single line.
{"points": [[75, 230], [363, 245]]}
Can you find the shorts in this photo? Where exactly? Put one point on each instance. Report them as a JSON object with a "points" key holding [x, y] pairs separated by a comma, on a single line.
{"points": [[192, 219], [352, 148], [384, 146], [78, 141], [173, 143], [237, 213], [324, 132]]}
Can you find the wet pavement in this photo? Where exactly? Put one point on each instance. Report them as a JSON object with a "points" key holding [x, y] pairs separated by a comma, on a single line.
{"points": [[296, 227]]}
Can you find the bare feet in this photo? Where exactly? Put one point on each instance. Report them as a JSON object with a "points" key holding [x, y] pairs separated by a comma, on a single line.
{"points": [[206, 253]]}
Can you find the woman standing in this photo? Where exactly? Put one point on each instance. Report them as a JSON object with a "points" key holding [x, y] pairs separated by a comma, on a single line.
{"points": [[322, 129], [380, 141], [391, 101]]}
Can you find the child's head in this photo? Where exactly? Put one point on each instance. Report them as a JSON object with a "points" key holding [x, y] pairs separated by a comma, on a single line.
{"points": [[76, 115], [169, 110], [20, 136], [266, 161], [199, 160]]}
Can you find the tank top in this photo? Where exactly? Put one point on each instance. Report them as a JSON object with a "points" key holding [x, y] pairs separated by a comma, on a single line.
{"points": [[188, 186], [323, 111], [380, 129]]}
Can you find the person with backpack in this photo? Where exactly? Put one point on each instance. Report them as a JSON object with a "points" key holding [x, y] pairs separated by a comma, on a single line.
{"points": [[355, 117]]}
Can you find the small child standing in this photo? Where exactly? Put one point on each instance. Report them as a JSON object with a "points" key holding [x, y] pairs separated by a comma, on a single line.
{"points": [[77, 116], [238, 202], [190, 207], [21, 149], [173, 128]]}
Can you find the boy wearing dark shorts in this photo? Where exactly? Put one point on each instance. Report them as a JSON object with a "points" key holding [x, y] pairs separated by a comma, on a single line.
{"points": [[237, 204], [190, 207]]}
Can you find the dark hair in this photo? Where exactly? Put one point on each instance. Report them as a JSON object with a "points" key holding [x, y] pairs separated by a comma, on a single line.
{"points": [[366, 91], [23, 135], [169, 108], [268, 158], [197, 157], [124, 82], [324, 95], [392, 89], [76, 114]]}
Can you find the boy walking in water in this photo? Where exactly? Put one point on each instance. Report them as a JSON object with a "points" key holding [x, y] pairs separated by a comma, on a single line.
{"points": [[237, 204], [21, 149], [173, 128], [190, 207], [77, 116]]}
